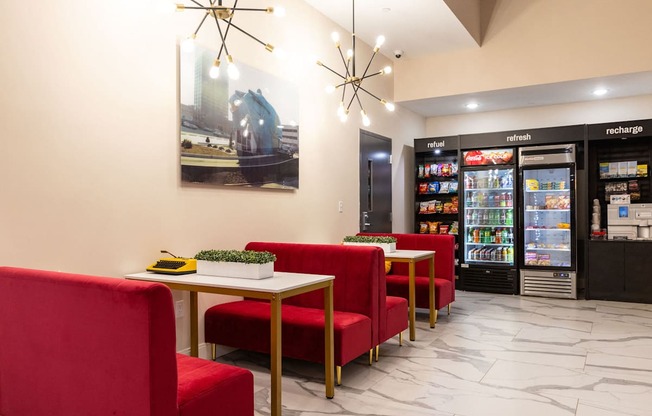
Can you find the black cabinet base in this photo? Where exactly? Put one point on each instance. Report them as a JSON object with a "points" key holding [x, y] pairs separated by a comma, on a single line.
{"points": [[620, 271], [490, 280]]}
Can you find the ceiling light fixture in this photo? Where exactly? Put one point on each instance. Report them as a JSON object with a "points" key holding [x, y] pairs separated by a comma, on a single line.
{"points": [[352, 80], [600, 91], [216, 11], [472, 106]]}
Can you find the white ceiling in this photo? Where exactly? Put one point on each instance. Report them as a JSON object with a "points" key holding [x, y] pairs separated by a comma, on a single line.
{"points": [[426, 27]]}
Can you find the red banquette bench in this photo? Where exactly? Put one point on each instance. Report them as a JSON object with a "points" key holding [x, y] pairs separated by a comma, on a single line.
{"points": [[84, 345], [363, 317], [397, 278]]}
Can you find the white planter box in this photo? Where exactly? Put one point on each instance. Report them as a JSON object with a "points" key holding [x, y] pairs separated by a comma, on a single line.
{"points": [[387, 247], [241, 270]]}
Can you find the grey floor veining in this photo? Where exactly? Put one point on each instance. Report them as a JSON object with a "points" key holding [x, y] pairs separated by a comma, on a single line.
{"points": [[494, 355]]}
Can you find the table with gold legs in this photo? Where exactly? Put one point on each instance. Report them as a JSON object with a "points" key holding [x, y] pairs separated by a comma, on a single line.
{"points": [[274, 289], [412, 257]]}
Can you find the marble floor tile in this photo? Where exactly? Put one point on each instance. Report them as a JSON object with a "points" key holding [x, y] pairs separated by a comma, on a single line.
{"points": [[494, 355]]}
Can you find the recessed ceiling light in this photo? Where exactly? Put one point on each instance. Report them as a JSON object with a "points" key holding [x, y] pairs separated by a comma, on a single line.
{"points": [[472, 106], [600, 91]]}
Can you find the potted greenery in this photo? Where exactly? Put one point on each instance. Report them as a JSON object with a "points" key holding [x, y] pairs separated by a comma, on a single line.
{"points": [[388, 244], [246, 264]]}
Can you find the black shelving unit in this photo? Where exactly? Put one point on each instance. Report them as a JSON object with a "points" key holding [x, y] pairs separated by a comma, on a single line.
{"points": [[437, 188]]}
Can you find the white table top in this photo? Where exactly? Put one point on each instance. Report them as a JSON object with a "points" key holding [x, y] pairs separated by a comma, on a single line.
{"points": [[280, 282], [409, 254]]}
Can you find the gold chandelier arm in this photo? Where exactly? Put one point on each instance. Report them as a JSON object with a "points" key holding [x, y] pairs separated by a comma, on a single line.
{"points": [[376, 97], [320, 63], [223, 47], [364, 74], [246, 33], [200, 24]]}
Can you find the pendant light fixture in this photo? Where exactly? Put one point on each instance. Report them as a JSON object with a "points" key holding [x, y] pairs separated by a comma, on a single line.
{"points": [[217, 12], [350, 81]]}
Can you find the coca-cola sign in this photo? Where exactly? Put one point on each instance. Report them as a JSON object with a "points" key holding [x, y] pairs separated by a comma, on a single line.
{"points": [[488, 157]]}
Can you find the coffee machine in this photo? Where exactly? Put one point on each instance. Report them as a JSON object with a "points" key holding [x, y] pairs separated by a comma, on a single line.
{"points": [[629, 221]]}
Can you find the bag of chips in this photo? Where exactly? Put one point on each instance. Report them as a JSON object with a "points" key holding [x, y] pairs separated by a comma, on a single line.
{"points": [[423, 227], [433, 227]]}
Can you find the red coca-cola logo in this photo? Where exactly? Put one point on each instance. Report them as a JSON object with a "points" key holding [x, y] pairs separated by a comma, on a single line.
{"points": [[474, 157]]}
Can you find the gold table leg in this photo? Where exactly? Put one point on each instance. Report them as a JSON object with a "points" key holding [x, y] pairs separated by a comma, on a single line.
{"points": [[275, 355], [431, 295], [329, 361], [194, 325], [412, 300]]}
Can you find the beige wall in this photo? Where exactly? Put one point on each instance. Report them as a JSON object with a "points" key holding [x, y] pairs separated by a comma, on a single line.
{"points": [[602, 111], [533, 42], [90, 149]]}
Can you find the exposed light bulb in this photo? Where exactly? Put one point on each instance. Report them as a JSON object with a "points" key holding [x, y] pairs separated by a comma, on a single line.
{"points": [[237, 102], [261, 122], [380, 40], [215, 69], [342, 112], [387, 70], [388, 106], [349, 53], [330, 89], [188, 44], [280, 53], [600, 91], [472, 106], [365, 119], [243, 122], [231, 69], [335, 37], [245, 133], [279, 11]]}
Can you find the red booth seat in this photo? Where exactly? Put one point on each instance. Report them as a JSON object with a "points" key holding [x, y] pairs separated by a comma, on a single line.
{"points": [[397, 278], [359, 304], [84, 345]]}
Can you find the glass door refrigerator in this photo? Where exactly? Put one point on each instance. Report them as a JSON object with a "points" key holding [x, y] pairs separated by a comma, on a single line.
{"points": [[548, 221], [488, 221]]}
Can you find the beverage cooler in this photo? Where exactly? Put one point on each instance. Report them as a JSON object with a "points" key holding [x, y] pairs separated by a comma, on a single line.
{"points": [[548, 221], [488, 222]]}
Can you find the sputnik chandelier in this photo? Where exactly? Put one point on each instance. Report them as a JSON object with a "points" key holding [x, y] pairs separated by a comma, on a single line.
{"points": [[349, 79], [216, 11]]}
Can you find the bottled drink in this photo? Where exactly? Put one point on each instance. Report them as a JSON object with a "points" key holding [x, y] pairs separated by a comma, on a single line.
{"points": [[508, 199], [492, 236], [469, 239], [485, 217], [468, 216], [474, 217], [476, 235], [503, 218], [504, 254], [499, 236], [509, 217], [510, 237], [510, 254]]}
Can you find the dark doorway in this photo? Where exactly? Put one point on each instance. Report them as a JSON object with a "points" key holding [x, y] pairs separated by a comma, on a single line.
{"points": [[375, 183]]}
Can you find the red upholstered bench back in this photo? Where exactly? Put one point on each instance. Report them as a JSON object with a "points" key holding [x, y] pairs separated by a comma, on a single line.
{"points": [[359, 284], [83, 345], [444, 245]]}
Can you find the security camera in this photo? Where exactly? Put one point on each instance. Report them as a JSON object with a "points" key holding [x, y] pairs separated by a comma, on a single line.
{"points": [[398, 53]]}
